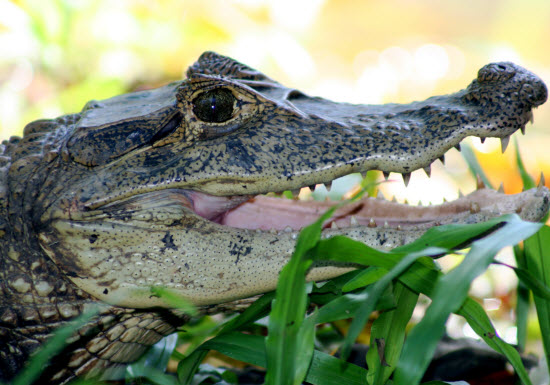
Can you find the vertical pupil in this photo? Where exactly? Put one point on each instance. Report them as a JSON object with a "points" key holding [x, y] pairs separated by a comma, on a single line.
{"points": [[213, 105]]}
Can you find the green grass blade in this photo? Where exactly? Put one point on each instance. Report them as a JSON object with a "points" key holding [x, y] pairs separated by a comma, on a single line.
{"points": [[324, 369], [374, 293], [152, 374], [259, 309], [390, 328], [537, 253], [284, 360], [533, 283], [189, 366], [364, 278], [522, 302], [174, 299], [528, 182], [347, 305], [453, 236], [523, 294], [473, 164], [478, 320], [423, 338], [304, 348]]}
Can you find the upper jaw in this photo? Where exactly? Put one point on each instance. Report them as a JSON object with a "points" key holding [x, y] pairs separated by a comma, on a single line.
{"points": [[300, 141]]}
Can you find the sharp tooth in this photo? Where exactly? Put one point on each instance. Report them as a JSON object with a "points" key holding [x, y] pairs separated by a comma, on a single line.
{"points": [[482, 140], [406, 178], [504, 143], [353, 221], [386, 226], [444, 200], [460, 195], [379, 195], [501, 188], [364, 174], [428, 170], [328, 186], [479, 182], [311, 187], [540, 186], [442, 159], [406, 202], [334, 226], [522, 130], [386, 175], [531, 117], [372, 223], [398, 227], [394, 199], [457, 147], [295, 192], [474, 208]]}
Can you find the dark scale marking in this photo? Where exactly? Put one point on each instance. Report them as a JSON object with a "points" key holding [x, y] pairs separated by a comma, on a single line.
{"points": [[168, 241], [93, 238]]}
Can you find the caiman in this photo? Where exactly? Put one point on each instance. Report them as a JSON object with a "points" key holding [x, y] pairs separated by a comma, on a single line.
{"points": [[167, 187]]}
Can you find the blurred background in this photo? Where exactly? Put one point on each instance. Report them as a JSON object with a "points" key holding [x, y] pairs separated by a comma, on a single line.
{"points": [[56, 55]]}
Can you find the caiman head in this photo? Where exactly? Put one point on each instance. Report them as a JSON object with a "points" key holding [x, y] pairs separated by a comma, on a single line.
{"points": [[166, 187]]}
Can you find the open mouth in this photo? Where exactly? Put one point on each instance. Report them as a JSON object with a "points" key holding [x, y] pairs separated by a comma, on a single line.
{"points": [[276, 214]]}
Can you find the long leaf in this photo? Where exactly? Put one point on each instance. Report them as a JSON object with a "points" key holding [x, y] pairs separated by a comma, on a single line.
{"points": [[375, 291], [473, 164], [422, 340], [478, 320], [537, 253], [528, 182], [389, 328], [285, 362], [523, 294], [324, 369]]}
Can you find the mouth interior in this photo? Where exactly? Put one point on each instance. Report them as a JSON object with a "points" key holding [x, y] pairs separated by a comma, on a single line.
{"points": [[267, 213]]}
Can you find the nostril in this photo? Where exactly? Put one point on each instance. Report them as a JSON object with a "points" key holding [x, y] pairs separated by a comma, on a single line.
{"points": [[295, 95]]}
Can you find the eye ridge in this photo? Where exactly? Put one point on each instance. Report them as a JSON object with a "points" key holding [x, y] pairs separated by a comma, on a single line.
{"points": [[214, 106]]}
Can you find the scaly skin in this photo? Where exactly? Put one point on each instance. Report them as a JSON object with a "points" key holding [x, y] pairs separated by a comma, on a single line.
{"points": [[152, 189]]}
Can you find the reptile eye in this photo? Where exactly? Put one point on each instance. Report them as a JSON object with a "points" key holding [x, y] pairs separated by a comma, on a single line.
{"points": [[214, 106]]}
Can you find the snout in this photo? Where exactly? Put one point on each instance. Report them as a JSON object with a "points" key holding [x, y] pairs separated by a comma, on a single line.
{"points": [[511, 77]]}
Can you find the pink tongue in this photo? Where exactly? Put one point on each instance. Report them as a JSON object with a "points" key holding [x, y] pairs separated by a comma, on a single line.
{"points": [[267, 213], [212, 207]]}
